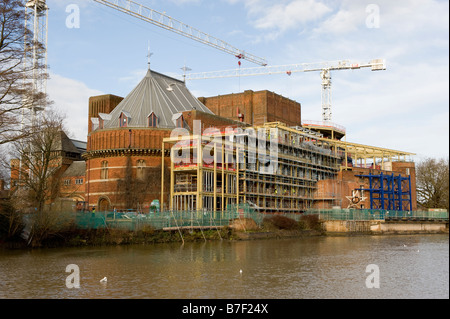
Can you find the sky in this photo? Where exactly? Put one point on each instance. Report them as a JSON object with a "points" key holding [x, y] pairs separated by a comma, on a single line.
{"points": [[93, 50]]}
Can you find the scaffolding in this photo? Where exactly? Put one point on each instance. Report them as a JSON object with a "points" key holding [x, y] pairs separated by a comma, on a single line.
{"points": [[273, 169]]}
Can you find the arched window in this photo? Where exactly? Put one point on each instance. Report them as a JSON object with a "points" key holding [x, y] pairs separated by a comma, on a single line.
{"points": [[152, 120], [104, 170], [140, 172]]}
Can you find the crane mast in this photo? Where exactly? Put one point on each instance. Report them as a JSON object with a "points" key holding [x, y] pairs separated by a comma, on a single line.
{"points": [[35, 54], [323, 67], [164, 21]]}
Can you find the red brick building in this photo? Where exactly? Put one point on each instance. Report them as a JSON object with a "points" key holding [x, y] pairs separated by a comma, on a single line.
{"points": [[123, 158], [255, 108], [121, 164]]}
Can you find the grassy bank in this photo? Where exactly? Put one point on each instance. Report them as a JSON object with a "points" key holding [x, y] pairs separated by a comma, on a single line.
{"points": [[274, 227]]}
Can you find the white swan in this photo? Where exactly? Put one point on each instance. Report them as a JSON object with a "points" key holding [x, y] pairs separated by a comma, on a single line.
{"points": [[104, 279]]}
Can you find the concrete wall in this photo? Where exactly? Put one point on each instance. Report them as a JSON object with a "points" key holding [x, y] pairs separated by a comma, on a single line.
{"points": [[381, 227], [346, 226], [410, 227]]}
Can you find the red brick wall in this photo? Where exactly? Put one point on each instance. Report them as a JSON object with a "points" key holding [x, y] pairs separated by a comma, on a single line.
{"points": [[257, 108], [72, 189], [101, 104], [145, 138], [347, 181], [208, 120], [112, 187], [408, 168]]}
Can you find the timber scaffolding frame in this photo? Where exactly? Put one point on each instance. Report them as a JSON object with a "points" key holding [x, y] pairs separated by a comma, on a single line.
{"points": [[273, 168]]}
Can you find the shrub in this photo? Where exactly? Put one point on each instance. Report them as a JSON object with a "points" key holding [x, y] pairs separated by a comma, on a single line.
{"points": [[11, 224], [281, 222], [311, 222]]}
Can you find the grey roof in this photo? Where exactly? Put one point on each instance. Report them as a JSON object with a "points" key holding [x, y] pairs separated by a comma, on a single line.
{"points": [[159, 94], [77, 168], [63, 143], [80, 145]]}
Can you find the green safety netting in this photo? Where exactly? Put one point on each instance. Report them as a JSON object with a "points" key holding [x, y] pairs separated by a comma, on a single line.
{"points": [[173, 219]]}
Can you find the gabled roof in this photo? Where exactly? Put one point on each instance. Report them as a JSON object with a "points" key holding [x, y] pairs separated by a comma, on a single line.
{"points": [[63, 143], [159, 94], [77, 168]]}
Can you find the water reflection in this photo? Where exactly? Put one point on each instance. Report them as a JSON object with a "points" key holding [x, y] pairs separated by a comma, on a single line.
{"points": [[323, 267]]}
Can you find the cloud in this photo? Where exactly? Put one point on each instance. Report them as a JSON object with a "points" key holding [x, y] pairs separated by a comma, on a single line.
{"points": [[343, 21], [71, 97], [396, 17], [286, 16], [281, 16]]}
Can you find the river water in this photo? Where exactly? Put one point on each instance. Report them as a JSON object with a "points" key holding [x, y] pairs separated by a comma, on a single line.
{"points": [[305, 268]]}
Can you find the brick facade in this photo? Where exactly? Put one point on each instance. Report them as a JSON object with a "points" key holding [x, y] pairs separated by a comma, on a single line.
{"points": [[102, 104], [115, 158], [255, 108], [335, 191]]}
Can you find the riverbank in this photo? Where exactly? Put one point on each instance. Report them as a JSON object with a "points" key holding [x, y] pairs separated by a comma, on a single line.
{"points": [[241, 229], [114, 237]]}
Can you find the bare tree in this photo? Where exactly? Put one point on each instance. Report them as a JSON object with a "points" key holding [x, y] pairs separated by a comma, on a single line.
{"points": [[135, 189], [35, 182], [36, 178], [432, 179], [16, 91]]}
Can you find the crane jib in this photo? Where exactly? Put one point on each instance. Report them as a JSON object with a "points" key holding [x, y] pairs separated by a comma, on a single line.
{"points": [[164, 21]]}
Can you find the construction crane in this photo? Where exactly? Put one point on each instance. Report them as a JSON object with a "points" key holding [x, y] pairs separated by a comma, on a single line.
{"points": [[324, 68], [164, 21], [35, 57]]}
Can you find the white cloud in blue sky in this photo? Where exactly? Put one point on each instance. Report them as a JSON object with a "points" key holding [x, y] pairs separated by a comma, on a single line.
{"points": [[405, 107]]}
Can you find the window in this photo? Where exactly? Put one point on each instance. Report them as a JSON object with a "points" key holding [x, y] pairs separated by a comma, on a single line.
{"points": [[152, 120], [66, 182], [79, 181], [180, 121], [140, 173], [104, 171], [124, 119]]}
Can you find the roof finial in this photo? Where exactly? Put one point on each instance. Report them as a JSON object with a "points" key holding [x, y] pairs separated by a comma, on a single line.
{"points": [[149, 55], [185, 69]]}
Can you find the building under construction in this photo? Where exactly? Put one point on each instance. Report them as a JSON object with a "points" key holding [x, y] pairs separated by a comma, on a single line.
{"points": [[277, 168], [161, 143]]}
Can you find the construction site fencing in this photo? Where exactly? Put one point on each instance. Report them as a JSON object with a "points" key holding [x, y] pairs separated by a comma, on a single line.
{"points": [[164, 220], [206, 219], [377, 214]]}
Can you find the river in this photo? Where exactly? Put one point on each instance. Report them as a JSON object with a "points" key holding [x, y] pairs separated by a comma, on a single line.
{"points": [[397, 266]]}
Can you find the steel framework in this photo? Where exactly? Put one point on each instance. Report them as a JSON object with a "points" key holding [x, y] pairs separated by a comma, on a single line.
{"points": [[390, 192], [35, 58]]}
